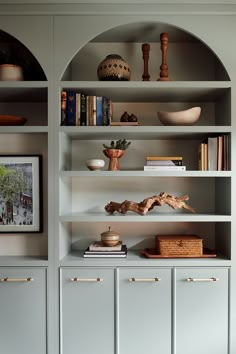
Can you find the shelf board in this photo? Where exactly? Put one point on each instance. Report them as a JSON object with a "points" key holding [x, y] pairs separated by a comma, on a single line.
{"points": [[136, 173], [23, 261], [143, 132], [152, 91], [134, 258], [23, 129], [23, 91], [151, 217]]}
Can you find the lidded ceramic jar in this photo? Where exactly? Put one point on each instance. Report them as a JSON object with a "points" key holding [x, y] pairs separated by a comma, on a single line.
{"points": [[110, 238], [113, 68]]}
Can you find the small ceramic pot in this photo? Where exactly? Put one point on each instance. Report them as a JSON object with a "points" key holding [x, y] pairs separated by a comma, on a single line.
{"points": [[10, 72], [113, 155], [95, 164], [110, 238], [113, 68]]}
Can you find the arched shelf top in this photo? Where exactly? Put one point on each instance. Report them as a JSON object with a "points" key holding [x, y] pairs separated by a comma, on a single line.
{"points": [[188, 57], [12, 51]]}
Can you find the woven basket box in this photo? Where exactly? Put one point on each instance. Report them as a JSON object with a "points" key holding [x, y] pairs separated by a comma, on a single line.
{"points": [[178, 245]]}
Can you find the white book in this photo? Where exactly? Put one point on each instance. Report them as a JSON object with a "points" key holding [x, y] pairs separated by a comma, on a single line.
{"points": [[212, 153], [164, 168], [164, 163]]}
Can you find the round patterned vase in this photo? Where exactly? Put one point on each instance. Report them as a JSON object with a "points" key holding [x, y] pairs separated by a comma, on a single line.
{"points": [[113, 68]]}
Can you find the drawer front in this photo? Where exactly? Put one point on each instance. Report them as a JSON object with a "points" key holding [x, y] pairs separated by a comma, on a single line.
{"points": [[87, 311], [23, 310], [144, 307], [202, 311]]}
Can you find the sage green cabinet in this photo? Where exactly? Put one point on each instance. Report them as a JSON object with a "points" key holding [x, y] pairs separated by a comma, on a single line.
{"points": [[202, 311], [87, 311], [23, 309], [144, 311]]}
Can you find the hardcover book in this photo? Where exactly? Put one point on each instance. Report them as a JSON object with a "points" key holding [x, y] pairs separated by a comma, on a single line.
{"points": [[164, 168], [99, 246], [99, 111], [83, 118], [63, 107], [71, 108]]}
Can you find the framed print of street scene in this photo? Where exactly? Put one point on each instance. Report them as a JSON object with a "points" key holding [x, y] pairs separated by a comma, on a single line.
{"points": [[19, 194]]}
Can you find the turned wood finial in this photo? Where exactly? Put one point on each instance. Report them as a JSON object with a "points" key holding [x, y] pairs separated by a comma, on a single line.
{"points": [[145, 50], [164, 74]]}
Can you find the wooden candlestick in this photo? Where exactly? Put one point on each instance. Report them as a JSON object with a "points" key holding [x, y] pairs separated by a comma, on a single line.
{"points": [[146, 50], [164, 74]]}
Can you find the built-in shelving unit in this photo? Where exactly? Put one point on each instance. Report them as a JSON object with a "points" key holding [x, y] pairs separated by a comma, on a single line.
{"points": [[84, 194]]}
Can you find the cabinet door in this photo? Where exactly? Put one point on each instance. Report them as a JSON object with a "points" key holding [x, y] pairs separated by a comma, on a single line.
{"points": [[87, 311], [23, 311], [144, 305], [202, 311]]}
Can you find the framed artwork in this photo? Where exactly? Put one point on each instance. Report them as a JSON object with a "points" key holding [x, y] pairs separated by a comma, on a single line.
{"points": [[20, 194]]}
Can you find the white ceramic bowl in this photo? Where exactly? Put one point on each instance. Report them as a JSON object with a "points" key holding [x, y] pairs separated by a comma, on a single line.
{"points": [[95, 164], [187, 117]]}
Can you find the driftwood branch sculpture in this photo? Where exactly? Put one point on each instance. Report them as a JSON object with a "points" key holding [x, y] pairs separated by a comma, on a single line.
{"points": [[149, 203]]}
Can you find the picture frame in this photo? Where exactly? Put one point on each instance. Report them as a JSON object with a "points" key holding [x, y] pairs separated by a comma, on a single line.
{"points": [[20, 198]]}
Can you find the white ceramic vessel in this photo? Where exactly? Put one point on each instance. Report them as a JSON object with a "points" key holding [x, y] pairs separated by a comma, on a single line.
{"points": [[95, 164], [187, 117]]}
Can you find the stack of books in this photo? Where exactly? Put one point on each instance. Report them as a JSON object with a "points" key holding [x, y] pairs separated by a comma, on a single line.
{"points": [[79, 109], [213, 154], [98, 250], [164, 163]]}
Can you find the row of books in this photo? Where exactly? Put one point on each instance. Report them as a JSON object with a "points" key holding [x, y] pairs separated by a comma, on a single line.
{"points": [[213, 155], [98, 250], [164, 163], [79, 109]]}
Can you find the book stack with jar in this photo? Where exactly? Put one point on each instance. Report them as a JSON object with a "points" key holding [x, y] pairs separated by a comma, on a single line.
{"points": [[110, 246]]}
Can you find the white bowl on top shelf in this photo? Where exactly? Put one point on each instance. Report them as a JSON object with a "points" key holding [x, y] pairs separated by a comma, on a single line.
{"points": [[186, 117], [95, 164]]}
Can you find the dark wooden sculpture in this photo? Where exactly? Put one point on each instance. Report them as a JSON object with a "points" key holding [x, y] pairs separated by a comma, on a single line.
{"points": [[164, 74], [149, 203], [145, 50]]}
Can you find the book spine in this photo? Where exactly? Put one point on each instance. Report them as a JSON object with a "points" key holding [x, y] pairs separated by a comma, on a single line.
{"points": [[99, 111], [106, 111], [174, 158], [83, 120], [63, 107], [212, 153], [164, 168], [164, 162], [201, 164], [71, 108], [205, 157], [220, 153], [77, 104]]}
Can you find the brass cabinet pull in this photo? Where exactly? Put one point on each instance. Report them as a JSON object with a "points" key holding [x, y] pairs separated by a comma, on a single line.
{"points": [[16, 280], [86, 279], [144, 279], [202, 279]]}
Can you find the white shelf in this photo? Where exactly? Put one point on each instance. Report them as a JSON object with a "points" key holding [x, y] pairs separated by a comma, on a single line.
{"points": [[134, 257], [23, 129], [143, 132], [136, 173], [151, 217], [152, 91]]}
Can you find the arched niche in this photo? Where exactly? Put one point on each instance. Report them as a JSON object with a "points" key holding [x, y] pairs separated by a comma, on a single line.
{"points": [[188, 57], [12, 51]]}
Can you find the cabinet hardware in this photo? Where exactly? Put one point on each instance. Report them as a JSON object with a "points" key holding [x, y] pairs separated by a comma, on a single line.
{"points": [[16, 280], [203, 279], [86, 279], [144, 279]]}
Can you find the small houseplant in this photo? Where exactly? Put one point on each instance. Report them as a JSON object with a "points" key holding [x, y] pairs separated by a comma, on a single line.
{"points": [[114, 151]]}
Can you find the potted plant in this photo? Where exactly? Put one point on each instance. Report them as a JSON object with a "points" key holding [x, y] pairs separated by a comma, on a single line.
{"points": [[114, 151]]}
